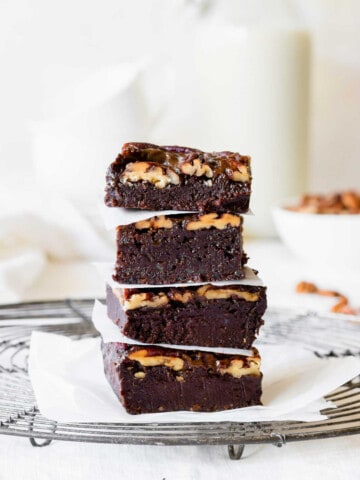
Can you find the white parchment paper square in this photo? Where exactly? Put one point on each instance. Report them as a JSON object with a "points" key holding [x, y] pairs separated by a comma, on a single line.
{"points": [[70, 385]]}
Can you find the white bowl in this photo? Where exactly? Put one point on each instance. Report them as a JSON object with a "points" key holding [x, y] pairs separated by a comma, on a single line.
{"points": [[323, 239]]}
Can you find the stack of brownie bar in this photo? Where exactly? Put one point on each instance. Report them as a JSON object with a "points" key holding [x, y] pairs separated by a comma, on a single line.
{"points": [[183, 282]]}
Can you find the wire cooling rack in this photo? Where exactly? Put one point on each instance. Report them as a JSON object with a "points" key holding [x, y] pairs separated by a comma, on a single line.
{"points": [[331, 335]]}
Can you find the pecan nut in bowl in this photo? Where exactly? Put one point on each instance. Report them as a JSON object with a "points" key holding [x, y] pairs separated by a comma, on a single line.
{"points": [[322, 230]]}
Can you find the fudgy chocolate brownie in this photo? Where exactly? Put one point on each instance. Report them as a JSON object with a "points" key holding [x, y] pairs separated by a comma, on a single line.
{"points": [[154, 379], [180, 248], [207, 315], [151, 177]]}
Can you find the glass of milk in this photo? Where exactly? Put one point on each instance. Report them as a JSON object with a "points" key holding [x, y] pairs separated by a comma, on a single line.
{"points": [[253, 87]]}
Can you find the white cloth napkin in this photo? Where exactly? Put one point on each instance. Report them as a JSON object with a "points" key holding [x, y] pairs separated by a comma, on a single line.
{"points": [[51, 212], [46, 228], [70, 385], [19, 267]]}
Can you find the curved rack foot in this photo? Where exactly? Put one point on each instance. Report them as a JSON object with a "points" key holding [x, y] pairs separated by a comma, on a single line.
{"points": [[235, 451], [35, 443]]}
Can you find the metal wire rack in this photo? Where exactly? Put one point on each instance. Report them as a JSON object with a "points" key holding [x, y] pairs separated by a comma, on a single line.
{"points": [[330, 335]]}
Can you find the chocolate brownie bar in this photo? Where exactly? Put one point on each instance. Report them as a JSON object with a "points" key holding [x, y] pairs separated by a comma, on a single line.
{"points": [[180, 248], [154, 379], [207, 315], [151, 177]]}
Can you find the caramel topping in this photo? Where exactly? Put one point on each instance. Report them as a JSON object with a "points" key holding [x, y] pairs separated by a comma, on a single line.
{"points": [[214, 220], [155, 222], [151, 153], [175, 363], [187, 161]]}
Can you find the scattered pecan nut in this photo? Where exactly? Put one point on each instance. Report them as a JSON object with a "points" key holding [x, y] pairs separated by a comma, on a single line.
{"points": [[306, 287], [342, 306]]}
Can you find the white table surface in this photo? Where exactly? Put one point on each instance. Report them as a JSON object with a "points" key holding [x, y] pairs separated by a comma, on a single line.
{"points": [[332, 458]]}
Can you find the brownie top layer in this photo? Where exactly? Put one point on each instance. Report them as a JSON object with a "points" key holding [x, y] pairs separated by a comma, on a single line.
{"points": [[132, 299], [161, 165], [179, 360]]}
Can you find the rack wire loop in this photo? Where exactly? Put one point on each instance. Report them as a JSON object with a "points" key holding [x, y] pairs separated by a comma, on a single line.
{"points": [[279, 439]]}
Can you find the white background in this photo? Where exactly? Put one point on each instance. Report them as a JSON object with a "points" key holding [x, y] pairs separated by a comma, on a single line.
{"points": [[45, 46]]}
